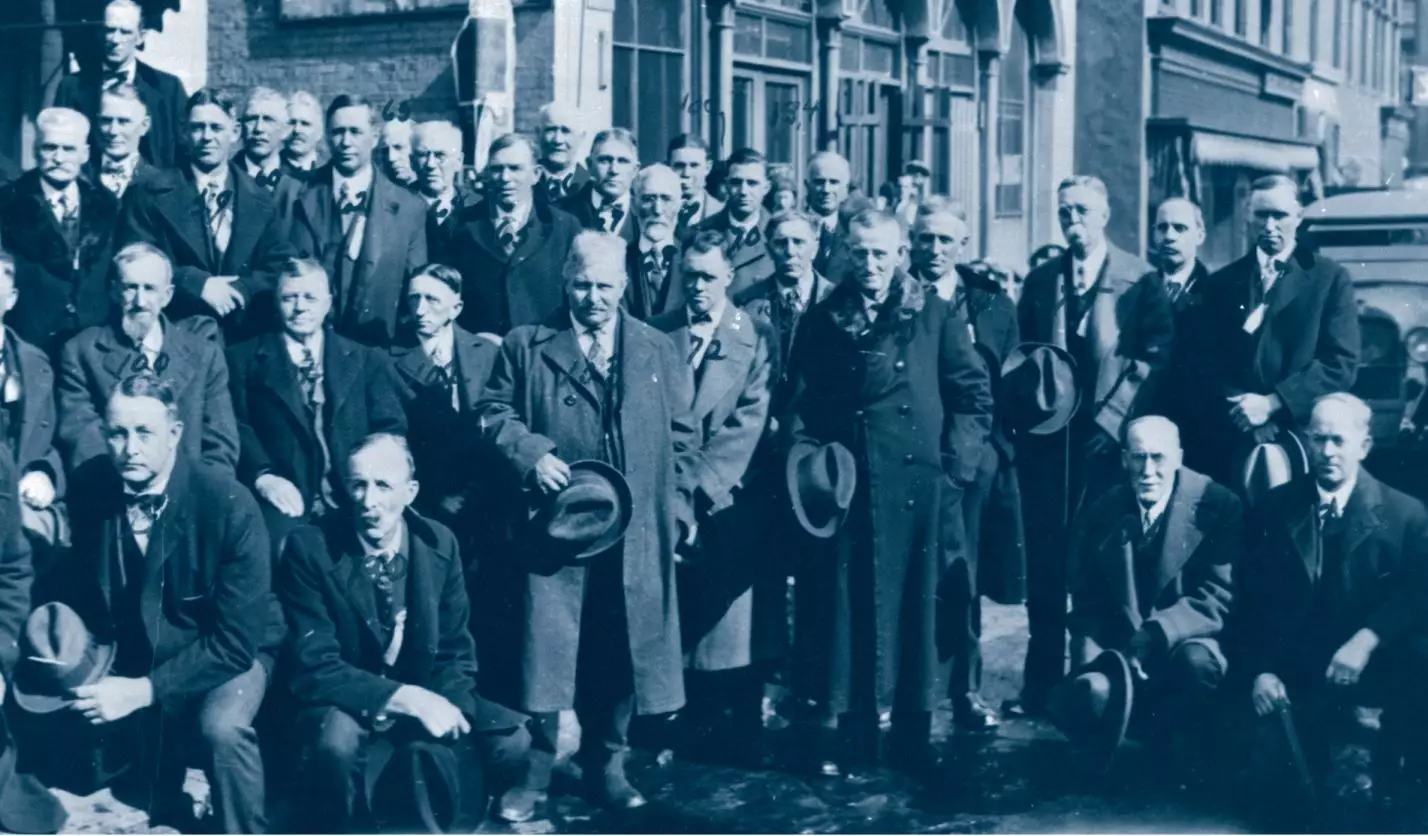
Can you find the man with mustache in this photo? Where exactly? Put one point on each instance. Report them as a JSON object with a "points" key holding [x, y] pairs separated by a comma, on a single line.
{"points": [[559, 136], [1278, 329], [368, 233], [600, 635], [689, 157], [122, 123], [510, 247], [61, 228], [743, 219], [221, 231], [118, 63], [654, 264], [143, 339], [1117, 329], [305, 397], [305, 124]]}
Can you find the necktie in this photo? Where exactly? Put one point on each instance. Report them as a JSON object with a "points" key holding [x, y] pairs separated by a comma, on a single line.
{"points": [[310, 375], [654, 270], [114, 79], [1273, 273], [700, 318], [354, 220], [148, 360], [144, 511], [64, 208], [610, 217], [114, 176], [446, 379], [1146, 521], [440, 211], [506, 234], [1328, 514], [216, 204], [270, 180], [597, 358], [792, 301]]}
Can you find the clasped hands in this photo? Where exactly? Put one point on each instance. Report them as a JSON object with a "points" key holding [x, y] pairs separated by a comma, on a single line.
{"points": [[221, 295]]}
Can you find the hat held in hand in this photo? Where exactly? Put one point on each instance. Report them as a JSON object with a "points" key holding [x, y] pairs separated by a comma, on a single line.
{"points": [[585, 518], [57, 655], [1092, 707], [821, 482], [1038, 387]]}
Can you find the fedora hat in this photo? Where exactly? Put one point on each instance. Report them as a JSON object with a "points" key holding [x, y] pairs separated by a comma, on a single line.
{"points": [[1039, 388], [821, 481], [588, 516], [57, 655], [1091, 719], [1271, 464]]}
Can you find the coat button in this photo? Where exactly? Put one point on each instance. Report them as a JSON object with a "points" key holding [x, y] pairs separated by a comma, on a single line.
{"points": [[904, 409], [908, 459], [899, 366], [912, 503], [570, 400], [857, 413]]}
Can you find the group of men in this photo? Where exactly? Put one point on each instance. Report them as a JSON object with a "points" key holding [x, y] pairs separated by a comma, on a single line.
{"points": [[291, 442]]}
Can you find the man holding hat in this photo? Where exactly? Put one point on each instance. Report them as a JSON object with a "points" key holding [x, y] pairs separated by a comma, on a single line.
{"points": [[591, 411], [1152, 558], [885, 371], [1090, 305]]}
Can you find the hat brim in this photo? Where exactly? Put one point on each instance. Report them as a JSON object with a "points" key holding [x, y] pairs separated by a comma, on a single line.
{"points": [[1061, 417], [822, 530], [37, 703], [611, 536], [1296, 462], [1103, 739]]}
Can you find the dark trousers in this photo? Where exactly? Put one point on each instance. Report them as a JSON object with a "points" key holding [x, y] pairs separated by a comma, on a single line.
{"points": [[960, 623], [1179, 692]]}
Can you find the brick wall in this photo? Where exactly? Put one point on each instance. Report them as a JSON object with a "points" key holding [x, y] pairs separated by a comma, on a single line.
{"points": [[384, 58]]}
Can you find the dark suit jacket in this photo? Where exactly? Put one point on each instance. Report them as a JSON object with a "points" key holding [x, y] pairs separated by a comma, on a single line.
{"points": [[367, 305], [36, 433], [751, 261], [1382, 583], [169, 214], [581, 205], [207, 605], [17, 573], [763, 300], [579, 179], [1203, 530], [273, 418], [162, 94], [441, 237], [145, 173], [57, 298], [93, 362], [335, 650], [500, 293], [639, 301]]}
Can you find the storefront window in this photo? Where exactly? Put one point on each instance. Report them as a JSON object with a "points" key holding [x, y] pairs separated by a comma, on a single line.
{"points": [[648, 77], [1011, 128]]}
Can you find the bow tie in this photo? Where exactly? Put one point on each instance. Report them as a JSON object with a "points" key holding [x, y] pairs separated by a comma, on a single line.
{"points": [[700, 318], [385, 568], [270, 180], [109, 166], [355, 203]]}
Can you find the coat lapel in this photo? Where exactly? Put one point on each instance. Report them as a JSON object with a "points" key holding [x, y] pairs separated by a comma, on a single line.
{"points": [[36, 381], [1303, 525], [562, 352], [467, 346], [1182, 536], [340, 373], [384, 207], [118, 354], [352, 579], [319, 213], [281, 378], [1117, 555], [248, 203], [182, 207], [735, 337], [1286, 289], [423, 618], [1361, 514], [180, 350]]}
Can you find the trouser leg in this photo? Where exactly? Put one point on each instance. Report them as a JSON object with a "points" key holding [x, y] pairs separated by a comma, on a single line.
{"points": [[332, 771], [234, 763]]}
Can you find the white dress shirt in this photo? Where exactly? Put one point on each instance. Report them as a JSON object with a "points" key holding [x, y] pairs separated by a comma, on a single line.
{"points": [[441, 347], [152, 345], [606, 336], [346, 190], [154, 488], [1338, 498], [1087, 270], [221, 225], [742, 229], [598, 201], [269, 165], [295, 348], [702, 334], [1148, 516], [116, 175], [387, 551], [518, 217], [124, 75], [70, 195], [350, 187]]}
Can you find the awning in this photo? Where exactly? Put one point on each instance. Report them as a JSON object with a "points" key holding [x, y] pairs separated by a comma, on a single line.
{"points": [[1259, 154]]}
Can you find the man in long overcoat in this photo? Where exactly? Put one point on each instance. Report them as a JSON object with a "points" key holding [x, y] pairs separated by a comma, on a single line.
{"points": [[885, 369], [1117, 330], [723, 586], [601, 635]]}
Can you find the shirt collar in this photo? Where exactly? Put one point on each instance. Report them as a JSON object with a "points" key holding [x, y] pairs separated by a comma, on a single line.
{"points": [[314, 344], [1266, 261], [648, 244], [715, 316], [1182, 276], [1156, 511], [395, 544], [128, 164], [519, 215], [743, 226], [304, 163], [71, 191], [1093, 262], [606, 334], [442, 346], [446, 198], [128, 72], [356, 184], [268, 166], [218, 177], [1340, 497]]}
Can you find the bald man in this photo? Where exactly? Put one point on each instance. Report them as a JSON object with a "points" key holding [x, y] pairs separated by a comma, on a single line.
{"points": [[828, 177], [1334, 603], [1153, 557], [560, 171], [653, 262], [117, 62], [437, 159]]}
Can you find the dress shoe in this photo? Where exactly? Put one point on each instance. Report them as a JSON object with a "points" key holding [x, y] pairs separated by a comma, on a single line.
{"points": [[971, 714], [518, 804], [611, 789], [1024, 707]]}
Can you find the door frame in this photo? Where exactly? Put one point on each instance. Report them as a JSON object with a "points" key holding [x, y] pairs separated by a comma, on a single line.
{"points": [[803, 118]]}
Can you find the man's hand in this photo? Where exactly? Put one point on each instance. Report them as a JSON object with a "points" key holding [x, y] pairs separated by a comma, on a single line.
{"points": [[282, 494], [113, 698], [1250, 410], [1349, 662], [551, 474], [1268, 694], [221, 295], [37, 490], [432, 710]]}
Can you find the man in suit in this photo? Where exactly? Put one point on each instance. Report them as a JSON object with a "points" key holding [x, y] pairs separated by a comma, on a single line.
{"points": [[1280, 327], [1153, 559], [368, 232], [688, 155], [122, 123], [1117, 329], [141, 338], [382, 659], [510, 247], [888, 372], [604, 202], [938, 241], [170, 563], [720, 589], [560, 173], [163, 94], [220, 230], [653, 264], [599, 635], [263, 129], [304, 397], [305, 125], [1333, 595], [442, 370], [438, 158], [395, 151], [828, 177], [1176, 237], [61, 229], [743, 218]]}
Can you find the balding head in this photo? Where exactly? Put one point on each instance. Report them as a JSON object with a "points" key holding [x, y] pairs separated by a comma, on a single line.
{"points": [[828, 177], [1152, 457], [1178, 234], [560, 133], [1340, 437]]}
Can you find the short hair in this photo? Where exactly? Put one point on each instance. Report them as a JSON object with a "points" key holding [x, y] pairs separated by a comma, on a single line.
{"points": [[148, 385], [592, 248], [1154, 420], [707, 241], [209, 96], [687, 141], [832, 156], [1085, 181], [644, 174], [778, 219], [449, 276], [127, 4], [1359, 411], [377, 439], [1274, 182], [139, 251], [440, 132], [747, 156], [302, 98], [264, 94], [615, 135], [1194, 208], [299, 268], [937, 204], [59, 118], [781, 176], [508, 140], [876, 218], [346, 100], [126, 92], [399, 125]]}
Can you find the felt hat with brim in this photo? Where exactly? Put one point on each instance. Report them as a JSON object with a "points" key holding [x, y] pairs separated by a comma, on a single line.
{"points": [[1092, 707], [916, 167], [421, 786], [1272, 464], [585, 518], [57, 655], [821, 482], [1038, 389]]}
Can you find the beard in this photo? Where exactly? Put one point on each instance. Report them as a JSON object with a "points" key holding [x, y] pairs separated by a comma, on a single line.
{"points": [[136, 325]]}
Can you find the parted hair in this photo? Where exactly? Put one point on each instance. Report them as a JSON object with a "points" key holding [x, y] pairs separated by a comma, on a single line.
{"points": [[139, 251], [687, 141], [378, 439], [511, 139], [621, 135], [748, 156], [706, 241], [778, 219], [148, 385], [126, 91], [296, 268], [345, 100], [209, 96], [449, 276]]}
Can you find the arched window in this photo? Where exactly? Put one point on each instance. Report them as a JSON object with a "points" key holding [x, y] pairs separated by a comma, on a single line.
{"points": [[648, 72], [1013, 126]]}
